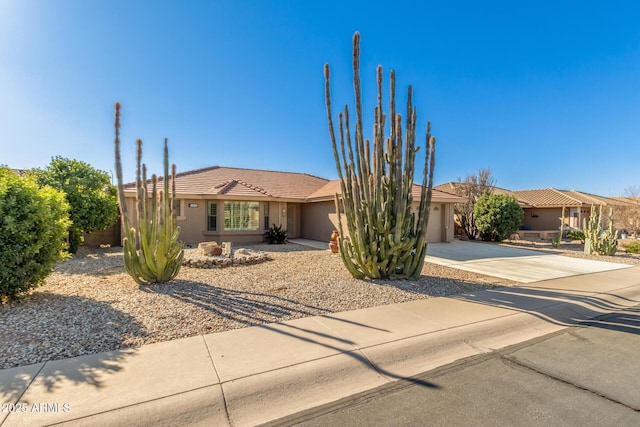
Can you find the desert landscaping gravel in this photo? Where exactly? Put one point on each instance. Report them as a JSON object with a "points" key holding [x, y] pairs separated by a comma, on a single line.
{"points": [[89, 304]]}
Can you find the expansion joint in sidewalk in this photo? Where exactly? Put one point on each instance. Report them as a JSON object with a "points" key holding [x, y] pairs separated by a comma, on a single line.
{"points": [[224, 397]]}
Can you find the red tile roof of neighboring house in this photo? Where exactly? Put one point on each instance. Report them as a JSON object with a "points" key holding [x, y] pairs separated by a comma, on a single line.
{"points": [[240, 182]]}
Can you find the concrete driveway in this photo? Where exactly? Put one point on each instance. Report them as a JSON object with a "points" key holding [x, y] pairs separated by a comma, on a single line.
{"points": [[520, 265]]}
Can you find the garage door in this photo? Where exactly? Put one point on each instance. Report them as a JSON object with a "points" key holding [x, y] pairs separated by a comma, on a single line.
{"points": [[434, 228]]}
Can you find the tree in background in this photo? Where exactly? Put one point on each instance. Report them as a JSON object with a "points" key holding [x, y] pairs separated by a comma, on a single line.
{"points": [[627, 215], [91, 197], [497, 216], [472, 188], [33, 227]]}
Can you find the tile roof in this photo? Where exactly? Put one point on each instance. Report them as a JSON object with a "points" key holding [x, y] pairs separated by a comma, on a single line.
{"points": [[332, 187], [547, 197], [627, 201], [219, 180], [450, 187], [551, 197]]}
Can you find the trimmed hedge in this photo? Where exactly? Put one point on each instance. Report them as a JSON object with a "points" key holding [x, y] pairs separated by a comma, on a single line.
{"points": [[34, 223]]}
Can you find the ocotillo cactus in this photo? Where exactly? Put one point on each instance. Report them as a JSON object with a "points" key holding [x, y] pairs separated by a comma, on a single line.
{"points": [[596, 240], [152, 252], [385, 238]]}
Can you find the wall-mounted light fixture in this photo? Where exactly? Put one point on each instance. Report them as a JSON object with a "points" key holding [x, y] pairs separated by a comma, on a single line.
{"points": [[284, 211]]}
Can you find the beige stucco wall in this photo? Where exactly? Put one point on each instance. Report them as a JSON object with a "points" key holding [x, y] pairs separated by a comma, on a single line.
{"points": [[542, 218], [318, 220], [193, 222]]}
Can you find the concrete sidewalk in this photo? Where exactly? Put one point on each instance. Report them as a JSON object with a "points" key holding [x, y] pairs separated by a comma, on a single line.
{"points": [[254, 375]]}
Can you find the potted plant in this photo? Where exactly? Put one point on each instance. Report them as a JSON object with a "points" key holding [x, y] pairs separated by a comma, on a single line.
{"points": [[333, 242]]}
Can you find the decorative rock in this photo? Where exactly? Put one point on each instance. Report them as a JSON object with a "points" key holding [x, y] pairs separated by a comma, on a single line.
{"points": [[227, 249], [194, 259], [216, 251], [206, 248]]}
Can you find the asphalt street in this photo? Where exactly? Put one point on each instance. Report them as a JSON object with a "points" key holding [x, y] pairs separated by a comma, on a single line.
{"points": [[586, 375]]}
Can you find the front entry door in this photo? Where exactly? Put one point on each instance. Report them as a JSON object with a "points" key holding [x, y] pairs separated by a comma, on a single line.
{"points": [[292, 214]]}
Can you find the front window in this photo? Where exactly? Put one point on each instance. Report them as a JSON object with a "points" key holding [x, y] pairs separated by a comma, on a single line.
{"points": [[241, 216], [212, 216], [266, 216]]}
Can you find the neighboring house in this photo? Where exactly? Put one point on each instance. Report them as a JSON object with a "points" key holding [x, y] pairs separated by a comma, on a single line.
{"points": [[238, 205], [543, 208]]}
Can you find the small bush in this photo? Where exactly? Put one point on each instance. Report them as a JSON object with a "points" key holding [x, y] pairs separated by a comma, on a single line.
{"points": [[276, 235], [633, 248], [497, 216], [34, 223], [576, 235]]}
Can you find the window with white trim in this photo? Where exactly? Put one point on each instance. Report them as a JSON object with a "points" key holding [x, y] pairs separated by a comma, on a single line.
{"points": [[241, 216], [212, 216]]}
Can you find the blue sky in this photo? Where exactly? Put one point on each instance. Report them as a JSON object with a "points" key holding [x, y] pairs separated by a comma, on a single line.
{"points": [[545, 93]]}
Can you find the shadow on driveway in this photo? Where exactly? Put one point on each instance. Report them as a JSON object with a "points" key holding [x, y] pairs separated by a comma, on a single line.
{"points": [[563, 308]]}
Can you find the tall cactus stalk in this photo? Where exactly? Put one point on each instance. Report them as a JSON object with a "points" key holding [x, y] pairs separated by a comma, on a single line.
{"points": [[152, 252], [597, 240], [386, 240], [555, 242]]}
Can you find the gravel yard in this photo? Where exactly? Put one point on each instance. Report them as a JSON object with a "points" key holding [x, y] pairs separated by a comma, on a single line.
{"points": [[89, 304]]}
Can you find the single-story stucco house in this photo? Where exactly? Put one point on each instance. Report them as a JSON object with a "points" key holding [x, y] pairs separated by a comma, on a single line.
{"points": [[543, 208], [238, 205]]}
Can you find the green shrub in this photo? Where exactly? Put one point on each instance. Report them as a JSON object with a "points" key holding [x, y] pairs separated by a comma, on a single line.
{"points": [[576, 235], [497, 216], [33, 227], [276, 235], [633, 248], [91, 197]]}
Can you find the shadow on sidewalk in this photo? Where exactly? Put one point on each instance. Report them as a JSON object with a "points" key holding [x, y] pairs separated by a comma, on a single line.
{"points": [[50, 335], [254, 309], [560, 307], [354, 354]]}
